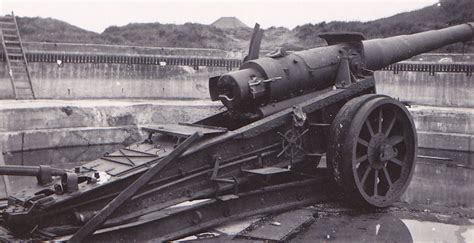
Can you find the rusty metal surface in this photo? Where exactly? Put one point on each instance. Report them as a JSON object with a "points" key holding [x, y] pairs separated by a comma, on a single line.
{"points": [[256, 39], [309, 106], [280, 227], [128, 192], [380, 53], [279, 78], [163, 226], [341, 37], [27, 170]]}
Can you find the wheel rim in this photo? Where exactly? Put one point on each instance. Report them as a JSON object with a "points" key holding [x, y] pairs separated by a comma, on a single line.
{"points": [[383, 150]]}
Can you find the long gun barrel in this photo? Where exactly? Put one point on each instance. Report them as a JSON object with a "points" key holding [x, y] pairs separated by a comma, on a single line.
{"points": [[27, 170], [285, 75], [43, 172], [380, 53]]}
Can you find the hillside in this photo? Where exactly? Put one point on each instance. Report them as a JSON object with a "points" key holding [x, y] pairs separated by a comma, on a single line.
{"points": [[231, 34], [53, 30], [450, 12], [167, 35]]}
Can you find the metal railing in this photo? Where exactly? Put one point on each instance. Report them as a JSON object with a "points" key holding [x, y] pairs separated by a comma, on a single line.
{"points": [[229, 63]]}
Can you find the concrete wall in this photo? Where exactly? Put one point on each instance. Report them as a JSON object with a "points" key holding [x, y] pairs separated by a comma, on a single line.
{"points": [[6, 91], [122, 81], [87, 80], [442, 106], [444, 57], [122, 77], [447, 128], [32, 125], [440, 89]]}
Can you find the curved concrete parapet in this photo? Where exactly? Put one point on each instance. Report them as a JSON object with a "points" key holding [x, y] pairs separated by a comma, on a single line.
{"points": [[114, 81], [446, 128], [43, 124], [439, 89], [82, 71]]}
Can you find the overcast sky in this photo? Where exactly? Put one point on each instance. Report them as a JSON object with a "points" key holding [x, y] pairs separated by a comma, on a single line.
{"points": [[96, 15]]}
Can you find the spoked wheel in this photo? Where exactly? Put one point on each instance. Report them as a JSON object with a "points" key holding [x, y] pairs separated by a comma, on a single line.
{"points": [[372, 150], [294, 147]]}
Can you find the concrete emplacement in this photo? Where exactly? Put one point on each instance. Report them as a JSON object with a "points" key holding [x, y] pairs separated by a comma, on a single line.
{"points": [[84, 104]]}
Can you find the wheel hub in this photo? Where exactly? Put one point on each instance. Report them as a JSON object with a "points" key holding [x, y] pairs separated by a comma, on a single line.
{"points": [[380, 151]]}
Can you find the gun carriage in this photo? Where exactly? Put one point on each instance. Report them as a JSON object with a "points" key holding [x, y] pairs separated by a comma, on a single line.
{"points": [[262, 154]]}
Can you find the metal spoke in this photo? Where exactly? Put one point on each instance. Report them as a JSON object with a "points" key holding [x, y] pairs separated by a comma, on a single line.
{"points": [[390, 126], [380, 150], [396, 140], [292, 143], [371, 131], [361, 159], [385, 171], [363, 142], [380, 120], [303, 133], [396, 161], [364, 177], [283, 136], [284, 150], [376, 178]]}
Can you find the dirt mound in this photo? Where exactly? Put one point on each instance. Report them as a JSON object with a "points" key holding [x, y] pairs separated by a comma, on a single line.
{"points": [[229, 23]]}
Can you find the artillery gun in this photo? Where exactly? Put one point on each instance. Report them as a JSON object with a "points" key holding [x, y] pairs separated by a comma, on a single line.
{"points": [[284, 113]]}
